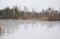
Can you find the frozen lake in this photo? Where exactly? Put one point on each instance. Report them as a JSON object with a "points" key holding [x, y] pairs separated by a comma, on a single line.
{"points": [[19, 29]]}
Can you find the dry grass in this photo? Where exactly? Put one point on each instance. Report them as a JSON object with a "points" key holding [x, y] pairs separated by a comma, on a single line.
{"points": [[1, 28]]}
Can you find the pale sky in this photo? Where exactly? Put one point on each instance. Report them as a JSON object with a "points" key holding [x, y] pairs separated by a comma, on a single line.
{"points": [[31, 4]]}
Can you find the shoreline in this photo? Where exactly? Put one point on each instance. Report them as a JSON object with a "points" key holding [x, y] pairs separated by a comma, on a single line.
{"points": [[27, 20]]}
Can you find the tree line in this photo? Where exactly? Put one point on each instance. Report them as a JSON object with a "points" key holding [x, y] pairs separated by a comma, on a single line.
{"points": [[14, 13]]}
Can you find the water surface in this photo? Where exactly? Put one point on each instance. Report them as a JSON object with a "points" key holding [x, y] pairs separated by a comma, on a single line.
{"points": [[19, 29]]}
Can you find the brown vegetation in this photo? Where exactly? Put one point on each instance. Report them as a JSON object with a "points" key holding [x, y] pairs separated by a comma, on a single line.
{"points": [[1, 28]]}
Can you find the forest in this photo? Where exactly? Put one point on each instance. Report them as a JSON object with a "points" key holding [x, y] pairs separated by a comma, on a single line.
{"points": [[45, 15]]}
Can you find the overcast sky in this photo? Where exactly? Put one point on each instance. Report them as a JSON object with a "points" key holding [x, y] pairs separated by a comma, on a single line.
{"points": [[31, 4]]}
